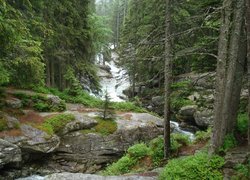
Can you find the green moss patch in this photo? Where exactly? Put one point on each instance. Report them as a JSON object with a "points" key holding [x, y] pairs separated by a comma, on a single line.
{"points": [[104, 127], [3, 124], [54, 124]]}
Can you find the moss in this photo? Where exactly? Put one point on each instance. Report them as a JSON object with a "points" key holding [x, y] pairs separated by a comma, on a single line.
{"points": [[56, 123], [127, 106], [104, 127], [3, 124]]}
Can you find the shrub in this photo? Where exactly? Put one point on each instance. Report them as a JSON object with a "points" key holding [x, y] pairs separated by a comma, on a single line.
{"points": [[203, 135], [198, 166], [242, 123], [157, 148], [122, 166], [229, 143], [138, 151], [242, 172], [54, 124], [42, 107]]}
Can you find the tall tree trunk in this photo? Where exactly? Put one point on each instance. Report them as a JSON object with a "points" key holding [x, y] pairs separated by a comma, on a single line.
{"points": [[168, 79], [235, 70], [217, 139], [248, 62], [48, 84], [231, 55]]}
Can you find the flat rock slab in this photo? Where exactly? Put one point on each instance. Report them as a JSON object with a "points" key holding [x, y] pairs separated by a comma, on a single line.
{"points": [[80, 176]]}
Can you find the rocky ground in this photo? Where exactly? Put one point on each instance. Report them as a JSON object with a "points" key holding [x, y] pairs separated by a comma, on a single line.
{"points": [[26, 149]]}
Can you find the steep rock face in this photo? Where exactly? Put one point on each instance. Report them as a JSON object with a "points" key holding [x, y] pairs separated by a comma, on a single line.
{"points": [[9, 153]]}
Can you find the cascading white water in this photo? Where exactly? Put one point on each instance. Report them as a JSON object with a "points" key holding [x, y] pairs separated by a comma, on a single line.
{"points": [[116, 82]]}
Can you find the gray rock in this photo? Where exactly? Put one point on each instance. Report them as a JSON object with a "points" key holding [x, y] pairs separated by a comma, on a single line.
{"points": [[12, 122], [81, 122], [9, 153], [55, 100], [204, 118], [89, 152], [37, 140], [188, 111], [14, 103], [157, 100], [80, 176]]}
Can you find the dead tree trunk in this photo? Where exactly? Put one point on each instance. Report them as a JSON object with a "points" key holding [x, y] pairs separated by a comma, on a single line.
{"points": [[168, 77]]}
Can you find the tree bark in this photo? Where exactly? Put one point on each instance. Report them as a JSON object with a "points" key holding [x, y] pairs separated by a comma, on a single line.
{"points": [[235, 70], [230, 70], [248, 62], [217, 139], [168, 80]]}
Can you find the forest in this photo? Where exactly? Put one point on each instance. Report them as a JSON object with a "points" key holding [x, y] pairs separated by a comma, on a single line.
{"points": [[125, 89]]}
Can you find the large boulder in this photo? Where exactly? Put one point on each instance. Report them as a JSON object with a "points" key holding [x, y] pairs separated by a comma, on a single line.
{"points": [[204, 117], [157, 100], [13, 103], [186, 113], [9, 153], [81, 122], [88, 152], [34, 140]]}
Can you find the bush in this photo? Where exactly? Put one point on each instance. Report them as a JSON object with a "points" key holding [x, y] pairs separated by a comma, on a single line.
{"points": [[203, 135], [242, 123], [138, 151], [122, 166], [127, 106], [56, 123], [42, 107], [242, 172], [198, 166], [157, 148], [229, 143]]}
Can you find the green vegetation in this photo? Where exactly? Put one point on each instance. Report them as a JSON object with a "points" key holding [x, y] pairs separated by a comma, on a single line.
{"points": [[104, 127], [54, 124], [242, 171], [229, 143], [201, 136], [3, 124], [181, 90], [196, 167], [40, 102], [242, 123], [127, 106], [136, 154]]}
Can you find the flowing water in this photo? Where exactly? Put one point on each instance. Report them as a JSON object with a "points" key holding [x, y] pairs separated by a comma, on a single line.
{"points": [[116, 82]]}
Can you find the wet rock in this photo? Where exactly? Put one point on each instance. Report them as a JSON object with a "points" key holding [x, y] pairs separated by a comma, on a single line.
{"points": [[79, 176], [9, 153], [14, 103]]}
